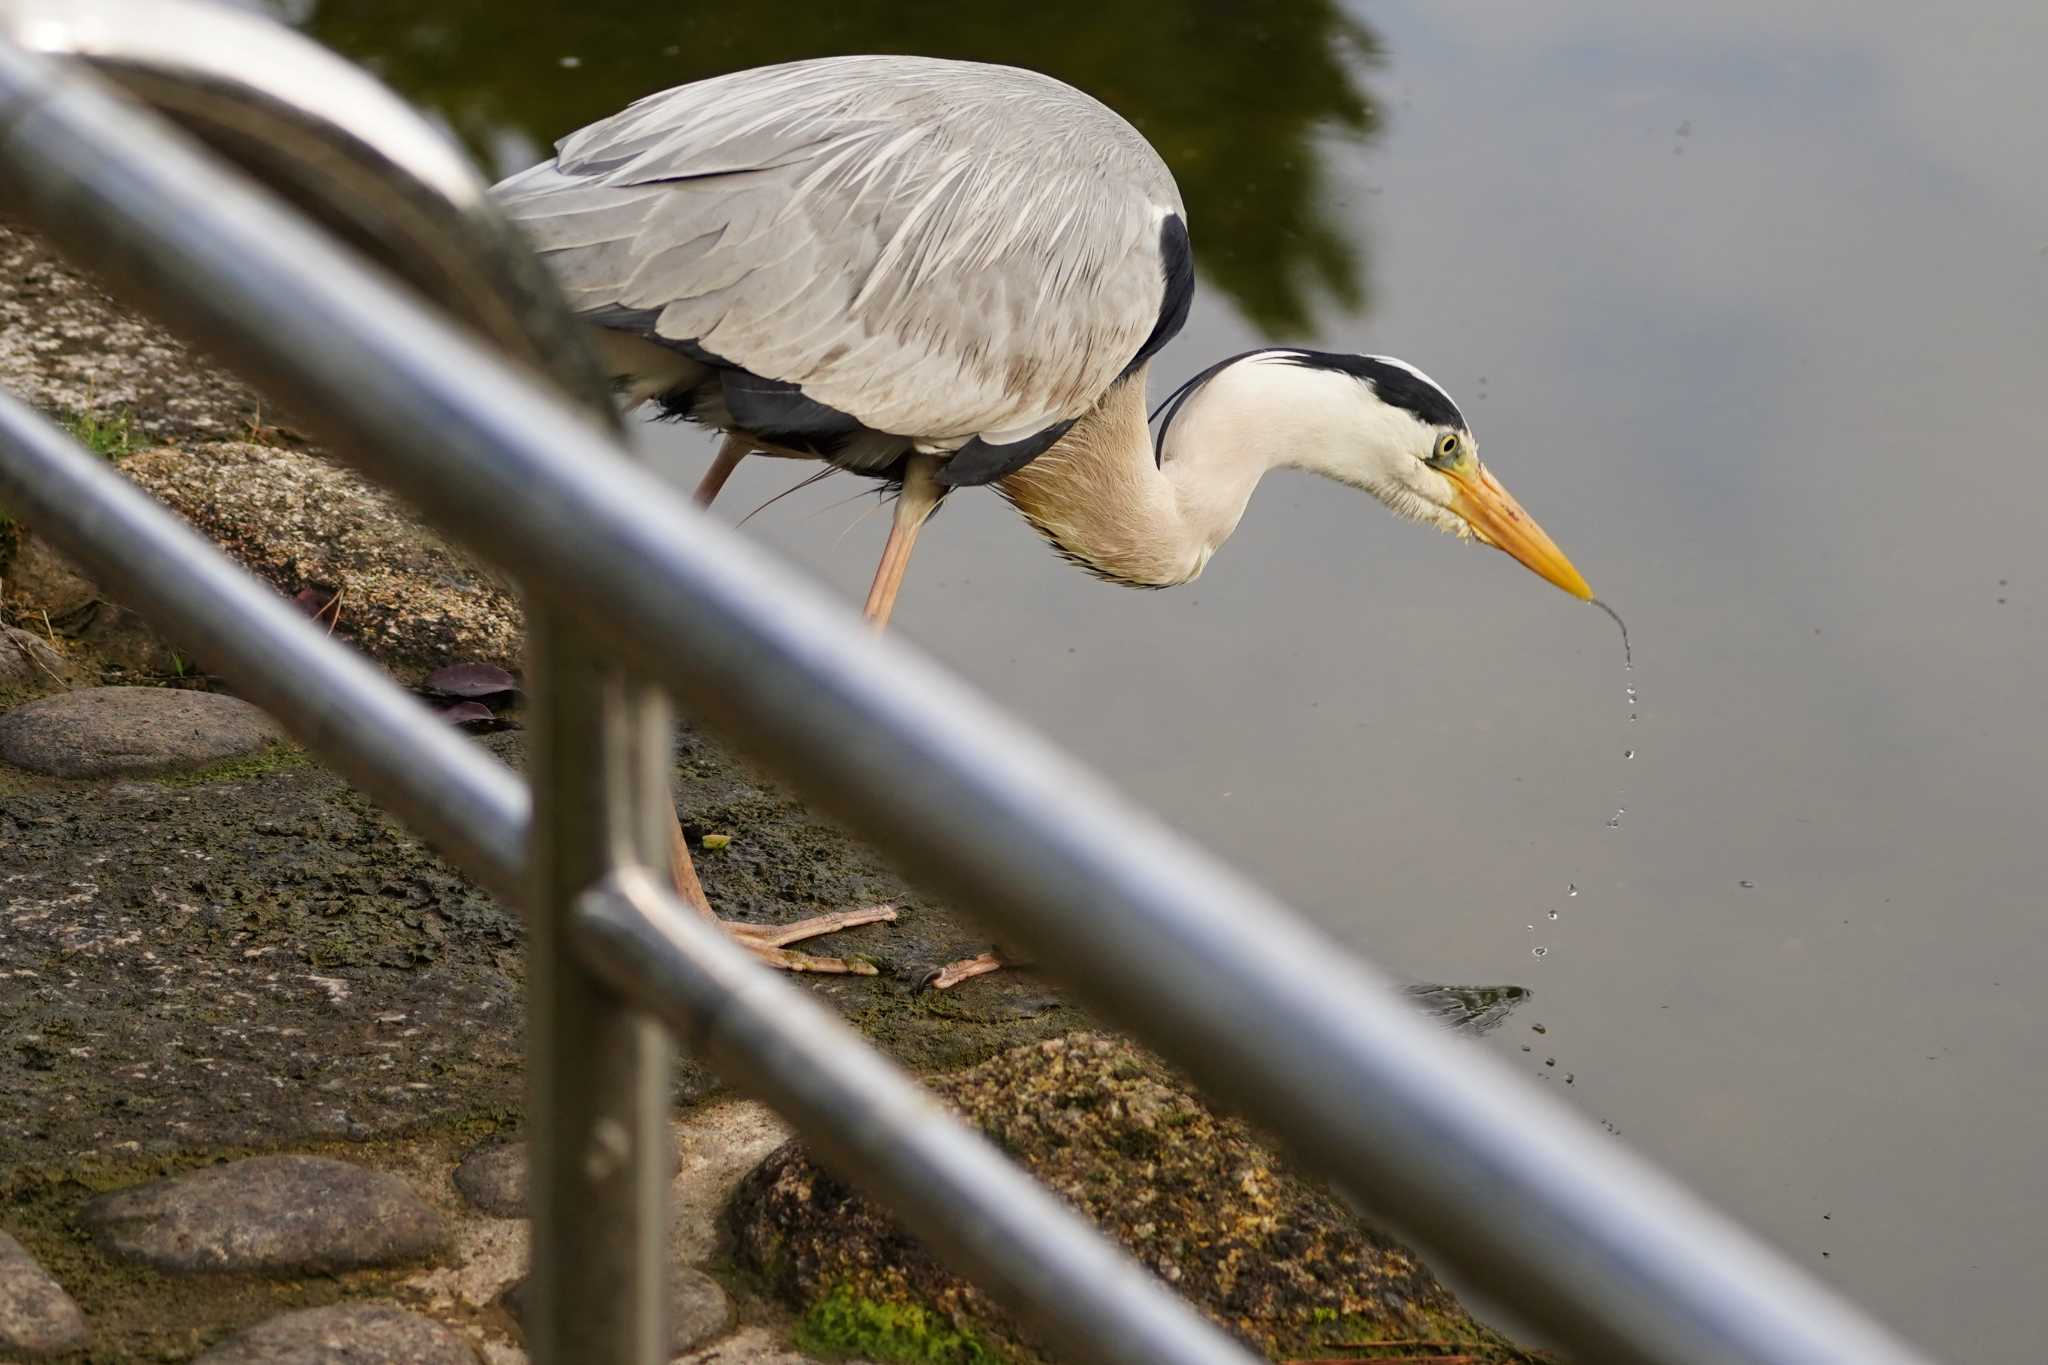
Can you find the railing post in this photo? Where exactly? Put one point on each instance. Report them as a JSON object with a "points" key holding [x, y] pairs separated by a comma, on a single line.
{"points": [[599, 1071]]}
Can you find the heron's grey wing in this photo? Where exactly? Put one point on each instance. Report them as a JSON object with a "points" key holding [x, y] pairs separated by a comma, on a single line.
{"points": [[942, 250]]}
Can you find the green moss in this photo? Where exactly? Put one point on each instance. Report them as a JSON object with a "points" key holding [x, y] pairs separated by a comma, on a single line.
{"points": [[1426, 1330], [110, 434], [844, 1323], [273, 758]]}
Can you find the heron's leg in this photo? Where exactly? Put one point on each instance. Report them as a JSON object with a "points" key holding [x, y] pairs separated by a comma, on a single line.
{"points": [[723, 464], [683, 872], [766, 941], [921, 493], [953, 973]]}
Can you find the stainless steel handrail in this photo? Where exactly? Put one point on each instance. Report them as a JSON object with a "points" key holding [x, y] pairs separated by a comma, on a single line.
{"points": [[1496, 1177]]}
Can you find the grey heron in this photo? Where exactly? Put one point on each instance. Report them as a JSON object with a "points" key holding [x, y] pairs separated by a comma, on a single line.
{"points": [[943, 275]]}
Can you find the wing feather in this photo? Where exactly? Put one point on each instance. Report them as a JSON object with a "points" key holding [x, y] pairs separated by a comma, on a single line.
{"points": [[941, 250]]}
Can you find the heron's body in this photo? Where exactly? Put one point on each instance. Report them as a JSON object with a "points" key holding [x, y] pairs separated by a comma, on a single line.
{"points": [[947, 274], [862, 257]]}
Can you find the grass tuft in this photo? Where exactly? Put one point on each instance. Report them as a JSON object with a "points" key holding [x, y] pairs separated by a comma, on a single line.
{"points": [[107, 434]]}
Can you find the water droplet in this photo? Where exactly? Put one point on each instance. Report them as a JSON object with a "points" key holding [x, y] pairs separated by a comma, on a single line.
{"points": [[1539, 952], [1628, 661], [1530, 927], [1550, 1061], [570, 63], [1572, 890], [1628, 753], [1553, 914], [1747, 886]]}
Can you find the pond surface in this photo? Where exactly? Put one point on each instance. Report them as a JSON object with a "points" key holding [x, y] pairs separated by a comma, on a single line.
{"points": [[1748, 303]]}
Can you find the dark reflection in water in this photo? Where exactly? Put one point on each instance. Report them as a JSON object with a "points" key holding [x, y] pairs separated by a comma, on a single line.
{"points": [[1235, 98], [1467, 1009]]}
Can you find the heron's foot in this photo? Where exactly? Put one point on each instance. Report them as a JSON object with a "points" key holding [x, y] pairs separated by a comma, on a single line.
{"points": [[767, 941], [953, 973]]}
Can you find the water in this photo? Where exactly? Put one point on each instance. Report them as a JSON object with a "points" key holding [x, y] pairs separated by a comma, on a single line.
{"points": [[1760, 300]]}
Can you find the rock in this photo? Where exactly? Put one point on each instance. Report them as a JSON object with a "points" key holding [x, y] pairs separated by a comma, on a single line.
{"points": [[405, 596], [42, 580], [261, 964], [27, 661], [493, 1178], [748, 1346], [486, 1258], [123, 638], [46, 587], [346, 1334], [67, 348], [718, 1144], [698, 1309], [1273, 1258], [36, 1316], [269, 1213], [130, 731]]}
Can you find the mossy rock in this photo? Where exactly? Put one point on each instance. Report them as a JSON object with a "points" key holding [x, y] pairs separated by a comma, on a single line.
{"points": [[1270, 1256]]}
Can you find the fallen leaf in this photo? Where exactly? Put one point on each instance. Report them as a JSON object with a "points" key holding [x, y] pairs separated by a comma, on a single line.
{"points": [[474, 681], [476, 718]]}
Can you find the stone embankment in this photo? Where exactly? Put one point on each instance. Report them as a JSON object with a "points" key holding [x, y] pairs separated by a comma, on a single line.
{"points": [[261, 1064]]}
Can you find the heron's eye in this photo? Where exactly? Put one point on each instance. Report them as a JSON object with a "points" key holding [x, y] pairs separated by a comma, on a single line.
{"points": [[1447, 448]]}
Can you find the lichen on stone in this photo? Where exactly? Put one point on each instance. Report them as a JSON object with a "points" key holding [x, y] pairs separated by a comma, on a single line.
{"points": [[394, 588], [205, 444], [1272, 1257]]}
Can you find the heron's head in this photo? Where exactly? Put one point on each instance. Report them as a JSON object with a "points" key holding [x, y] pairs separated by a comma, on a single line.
{"points": [[1385, 426], [1437, 479]]}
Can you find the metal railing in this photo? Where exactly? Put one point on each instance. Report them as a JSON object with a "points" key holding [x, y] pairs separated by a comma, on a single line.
{"points": [[1491, 1176]]}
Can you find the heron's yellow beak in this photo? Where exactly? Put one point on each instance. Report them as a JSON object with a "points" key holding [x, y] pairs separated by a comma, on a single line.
{"points": [[1497, 519]]}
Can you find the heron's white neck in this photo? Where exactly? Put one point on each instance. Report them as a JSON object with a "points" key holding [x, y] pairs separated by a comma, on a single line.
{"points": [[1099, 495]]}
